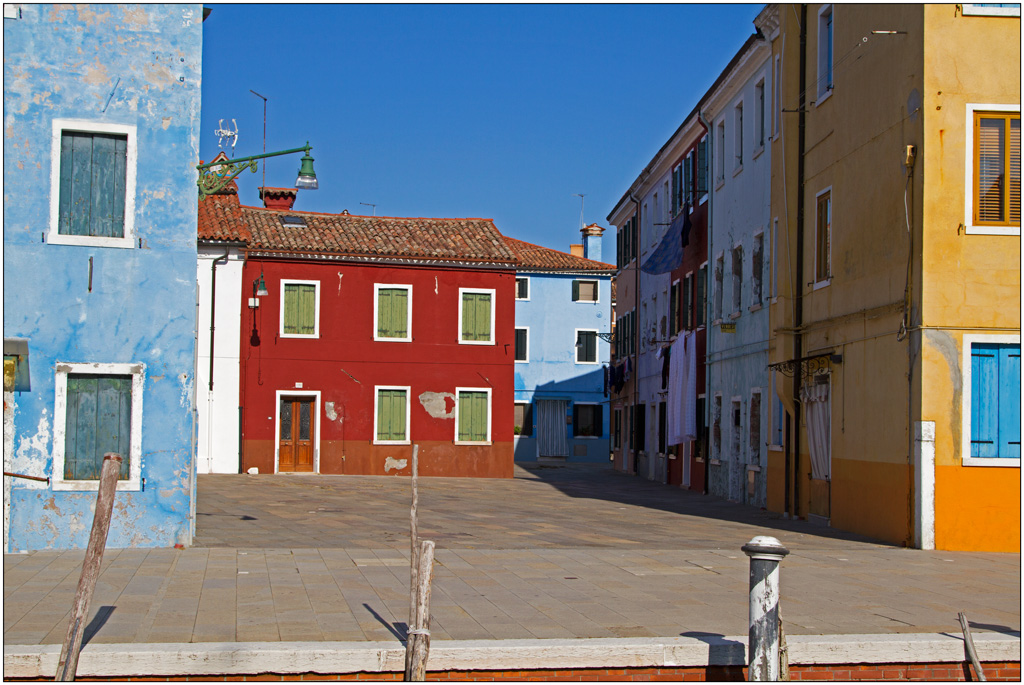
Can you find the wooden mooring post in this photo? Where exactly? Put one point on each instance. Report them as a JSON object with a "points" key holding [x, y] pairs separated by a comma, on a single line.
{"points": [[67, 665], [417, 647]]}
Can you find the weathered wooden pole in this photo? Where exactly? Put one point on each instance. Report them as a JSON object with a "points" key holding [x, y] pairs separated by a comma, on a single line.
{"points": [[418, 645], [969, 649], [414, 534], [67, 665], [763, 638]]}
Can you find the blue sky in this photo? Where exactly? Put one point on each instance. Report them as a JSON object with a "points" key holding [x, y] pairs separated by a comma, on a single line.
{"points": [[495, 111]]}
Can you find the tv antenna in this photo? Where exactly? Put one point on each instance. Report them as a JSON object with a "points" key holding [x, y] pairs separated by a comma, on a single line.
{"points": [[264, 133], [580, 196], [223, 133], [370, 204]]}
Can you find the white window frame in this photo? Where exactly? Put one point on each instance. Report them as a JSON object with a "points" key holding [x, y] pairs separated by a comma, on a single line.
{"points": [[131, 163], [316, 319], [60, 416], [972, 109], [376, 301], [970, 339], [979, 10], [527, 352], [777, 96], [737, 139], [824, 89], [522, 299], [298, 392], [597, 346], [761, 124], [376, 415], [489, 291], [600, 428], [597, 291], [831, 236], [489, 416], [720, 156]]}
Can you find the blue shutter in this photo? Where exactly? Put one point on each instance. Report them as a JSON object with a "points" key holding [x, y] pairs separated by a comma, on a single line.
{"points": [[93, 179], [98, 421], [995, 400], [1009, 401]]}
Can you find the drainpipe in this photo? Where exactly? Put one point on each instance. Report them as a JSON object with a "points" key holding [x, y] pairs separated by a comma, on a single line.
{"points": [[636, 333], [798, 299], [223, 259], [707, 376]]}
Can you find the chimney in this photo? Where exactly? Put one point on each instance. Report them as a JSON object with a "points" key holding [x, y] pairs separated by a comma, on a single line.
{"points": [[575, 250], [278, 198], [592, 241]]}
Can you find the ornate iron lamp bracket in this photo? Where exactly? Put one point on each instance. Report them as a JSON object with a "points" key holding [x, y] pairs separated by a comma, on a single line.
{"points": [[808, 367]]}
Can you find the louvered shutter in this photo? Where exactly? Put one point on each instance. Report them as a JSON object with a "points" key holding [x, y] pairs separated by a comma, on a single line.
{"points": [[990, 170]]}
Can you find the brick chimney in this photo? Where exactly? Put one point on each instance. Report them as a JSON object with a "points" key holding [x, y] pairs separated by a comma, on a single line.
{"points": [[592, 241], [278, 198], [576, 249]]}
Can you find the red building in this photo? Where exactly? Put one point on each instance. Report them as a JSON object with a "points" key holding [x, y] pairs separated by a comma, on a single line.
{"points": [[362, 336]]}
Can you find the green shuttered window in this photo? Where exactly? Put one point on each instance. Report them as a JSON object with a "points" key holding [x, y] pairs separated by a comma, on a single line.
{"points": [[473, 416], [393, 313], [476, 317], [391, 415], [93, 177], [299, 309], [586, 347], [98, 420]]}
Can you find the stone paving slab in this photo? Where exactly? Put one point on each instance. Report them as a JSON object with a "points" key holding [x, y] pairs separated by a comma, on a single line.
{"points": [[682, 573]]}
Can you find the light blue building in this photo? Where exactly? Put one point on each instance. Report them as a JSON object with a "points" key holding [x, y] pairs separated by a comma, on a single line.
{"points": [[563, 307], [101, 114]]}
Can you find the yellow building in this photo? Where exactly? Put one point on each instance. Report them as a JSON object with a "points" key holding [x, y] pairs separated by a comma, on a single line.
{"points": [[895, 315]]}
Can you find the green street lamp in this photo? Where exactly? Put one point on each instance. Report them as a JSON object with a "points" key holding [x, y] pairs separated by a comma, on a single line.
{"points": [[213, 176]]}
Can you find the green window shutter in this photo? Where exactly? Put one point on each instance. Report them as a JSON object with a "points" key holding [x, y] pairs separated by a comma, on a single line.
{"points": [[391, 415], [98, 421], [93, 180], [472, 416], [476, 317], [575, 291], [392, 313], [299, 309]]}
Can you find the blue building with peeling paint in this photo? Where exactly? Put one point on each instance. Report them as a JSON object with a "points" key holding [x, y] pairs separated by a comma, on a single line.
{"points": [[563, 307], [101, 121]]}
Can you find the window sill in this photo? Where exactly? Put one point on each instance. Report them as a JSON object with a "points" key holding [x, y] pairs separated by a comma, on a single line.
{"points": [[992, 230], [704, 199], [587, 301], [822, 284], [719, 182], [392, 442], [476, 342], [735, 315], [774, 448], [824, 96], [754, 467], [717, 322], [402, 340], [755, 307], [485, 443], [522, 361], [587, 363], [299, 336], [586, 437], [736, 172], [758, 152], [522, 299], [996, 461], [93, 486], [715, 462], [90, 241]]}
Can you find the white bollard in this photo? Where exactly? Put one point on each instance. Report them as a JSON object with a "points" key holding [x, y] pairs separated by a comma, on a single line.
{"points": [[765, 553]]}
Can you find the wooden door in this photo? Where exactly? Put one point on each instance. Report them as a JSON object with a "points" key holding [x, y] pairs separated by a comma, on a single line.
{"points": [[298, 426]]}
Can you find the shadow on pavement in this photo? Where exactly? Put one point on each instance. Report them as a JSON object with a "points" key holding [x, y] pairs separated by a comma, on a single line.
{"points": [[601, 481]]}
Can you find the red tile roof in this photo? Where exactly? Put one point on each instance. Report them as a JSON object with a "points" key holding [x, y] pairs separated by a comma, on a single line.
{"points": [[220, 217], [535, 257], [352, 235]]}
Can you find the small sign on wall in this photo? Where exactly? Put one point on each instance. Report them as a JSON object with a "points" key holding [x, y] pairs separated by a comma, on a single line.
{"points": [[728, 327]]}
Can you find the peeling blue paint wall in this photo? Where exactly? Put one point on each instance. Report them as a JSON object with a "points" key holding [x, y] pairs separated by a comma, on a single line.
{"points": [[552, 372], [127, 65]]}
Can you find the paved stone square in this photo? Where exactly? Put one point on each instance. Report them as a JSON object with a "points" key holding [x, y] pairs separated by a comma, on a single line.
{"points": [[556, 552]]}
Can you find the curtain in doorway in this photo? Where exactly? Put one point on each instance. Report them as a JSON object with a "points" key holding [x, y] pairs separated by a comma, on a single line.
{"points": [[818, 410], [551, 428]]}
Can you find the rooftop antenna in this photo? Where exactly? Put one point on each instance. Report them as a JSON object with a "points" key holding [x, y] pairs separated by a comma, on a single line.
{"points": [[370, 204], [580, 196], [223, 133], [264, 133]]}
